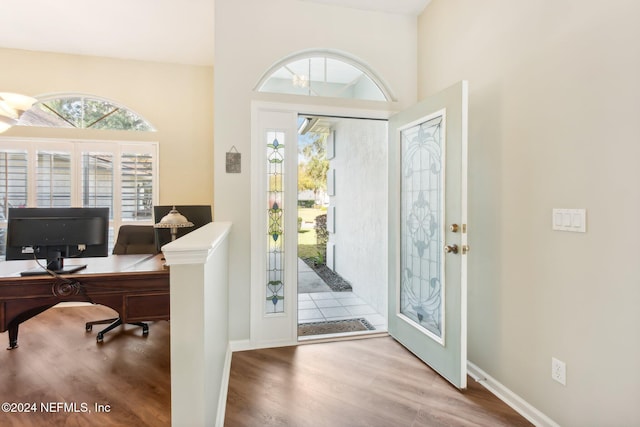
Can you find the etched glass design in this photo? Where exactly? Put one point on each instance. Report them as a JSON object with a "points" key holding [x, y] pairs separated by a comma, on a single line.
{"points": [[422, 233], [275, 222]]}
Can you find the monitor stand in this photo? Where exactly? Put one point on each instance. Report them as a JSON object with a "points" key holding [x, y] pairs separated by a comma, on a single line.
{"points": [[55, 264], [55, 261]]}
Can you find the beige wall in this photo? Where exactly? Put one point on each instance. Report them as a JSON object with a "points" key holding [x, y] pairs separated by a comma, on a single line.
{"points": [[251, 36], [554, 104], [176, 99]]}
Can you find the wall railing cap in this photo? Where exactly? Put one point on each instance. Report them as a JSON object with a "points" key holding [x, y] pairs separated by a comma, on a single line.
{"points": [[197, 246]]}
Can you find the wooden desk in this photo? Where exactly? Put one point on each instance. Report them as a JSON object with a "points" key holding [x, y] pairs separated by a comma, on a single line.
{"points": [[136, 286]]}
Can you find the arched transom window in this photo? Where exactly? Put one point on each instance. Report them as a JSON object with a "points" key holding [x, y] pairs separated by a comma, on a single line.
{"points": [[326, 74], [83, 112]]}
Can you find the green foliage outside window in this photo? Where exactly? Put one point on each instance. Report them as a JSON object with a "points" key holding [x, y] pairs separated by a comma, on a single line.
{"points": [[83, 112]]}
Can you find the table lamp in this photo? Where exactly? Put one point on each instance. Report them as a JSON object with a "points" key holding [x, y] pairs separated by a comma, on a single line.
{"points": [[173, 220]]}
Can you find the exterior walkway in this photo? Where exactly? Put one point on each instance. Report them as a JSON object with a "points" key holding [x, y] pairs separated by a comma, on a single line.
{"points": [[317, 302], [319, 306], [309, 281]]}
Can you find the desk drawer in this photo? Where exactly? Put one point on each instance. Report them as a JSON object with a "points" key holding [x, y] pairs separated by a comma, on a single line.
{"points": [[142, 307]]}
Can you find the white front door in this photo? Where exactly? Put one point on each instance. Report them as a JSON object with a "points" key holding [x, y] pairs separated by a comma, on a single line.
{"points": [[428, 231]]}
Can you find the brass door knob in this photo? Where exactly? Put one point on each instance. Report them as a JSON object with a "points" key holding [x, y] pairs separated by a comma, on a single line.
{"points": [[451, 249]]}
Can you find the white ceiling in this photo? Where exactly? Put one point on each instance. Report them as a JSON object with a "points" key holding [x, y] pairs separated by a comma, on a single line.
{"points": [[175, 31], [179, 31]]}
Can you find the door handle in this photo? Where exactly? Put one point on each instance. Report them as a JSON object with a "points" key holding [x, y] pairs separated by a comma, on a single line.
{"points": [[451, 249]]}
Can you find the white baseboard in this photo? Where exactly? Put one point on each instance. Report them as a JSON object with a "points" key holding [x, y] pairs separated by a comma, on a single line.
{"points": [[240, 345], [224, 388], [509, 397]]}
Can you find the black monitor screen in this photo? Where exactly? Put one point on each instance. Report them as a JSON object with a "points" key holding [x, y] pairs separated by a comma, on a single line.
{"points": [[69, 232]]}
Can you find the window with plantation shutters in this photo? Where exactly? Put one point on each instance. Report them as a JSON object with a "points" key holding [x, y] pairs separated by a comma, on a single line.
{"points": [[97, 180], [137, 186], [53, 179], [13, 180], [53, 173]]}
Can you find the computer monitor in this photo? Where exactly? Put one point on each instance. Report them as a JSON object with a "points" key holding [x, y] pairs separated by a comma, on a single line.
{"points": [[57, 233], [199, 215]]}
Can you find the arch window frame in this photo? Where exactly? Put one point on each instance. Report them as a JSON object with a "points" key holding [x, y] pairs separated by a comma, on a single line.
{"points": [[82, 112], [304, 83]]}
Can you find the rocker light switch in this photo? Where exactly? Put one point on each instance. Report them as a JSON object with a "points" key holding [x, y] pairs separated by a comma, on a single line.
{"points": [[569, 220]]}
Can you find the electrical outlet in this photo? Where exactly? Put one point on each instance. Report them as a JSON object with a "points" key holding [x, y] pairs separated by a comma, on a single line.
{"points": [[558, 371]]}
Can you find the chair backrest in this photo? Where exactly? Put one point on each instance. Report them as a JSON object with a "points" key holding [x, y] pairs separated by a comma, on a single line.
{"points": [[135, 239], [199, 215]]}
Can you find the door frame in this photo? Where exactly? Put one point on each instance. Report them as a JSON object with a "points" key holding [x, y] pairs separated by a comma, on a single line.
{"points": [[280, 329]]}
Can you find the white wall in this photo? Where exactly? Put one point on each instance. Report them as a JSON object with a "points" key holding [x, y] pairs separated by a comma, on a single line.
{"points": [[360, 201], [200, 353], [251, 36], [554, 100]]}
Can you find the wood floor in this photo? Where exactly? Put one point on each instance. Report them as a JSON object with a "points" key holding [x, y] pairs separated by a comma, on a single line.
{"points": [[369, 382], [57, 361]]}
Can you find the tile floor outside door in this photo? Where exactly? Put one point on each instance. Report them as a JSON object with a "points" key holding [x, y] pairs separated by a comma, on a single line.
{"points": [[317, 303], [320, 306]]}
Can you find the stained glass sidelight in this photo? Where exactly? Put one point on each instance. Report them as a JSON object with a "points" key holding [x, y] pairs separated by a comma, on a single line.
{"points": [[422, 232], [275, 220]]}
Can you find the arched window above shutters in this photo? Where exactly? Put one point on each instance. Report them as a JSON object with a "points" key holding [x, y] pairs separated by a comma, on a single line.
{"points": [[83, 112]]}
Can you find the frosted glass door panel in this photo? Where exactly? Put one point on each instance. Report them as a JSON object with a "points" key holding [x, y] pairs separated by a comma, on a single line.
{"points": [[421, 297]]}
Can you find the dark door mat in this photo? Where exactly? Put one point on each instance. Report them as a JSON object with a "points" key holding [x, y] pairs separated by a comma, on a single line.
{"points": [[334, 327]]}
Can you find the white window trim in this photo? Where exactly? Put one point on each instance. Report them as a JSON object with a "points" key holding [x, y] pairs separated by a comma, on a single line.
{"points": [[333, 54]]}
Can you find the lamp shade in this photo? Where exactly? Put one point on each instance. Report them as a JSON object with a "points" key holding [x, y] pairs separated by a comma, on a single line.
{"points": [[173, 219]]}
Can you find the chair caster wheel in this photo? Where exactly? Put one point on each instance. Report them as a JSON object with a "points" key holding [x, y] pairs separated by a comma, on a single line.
{"points": [[88, 328], [145, 331], [99, 338]]}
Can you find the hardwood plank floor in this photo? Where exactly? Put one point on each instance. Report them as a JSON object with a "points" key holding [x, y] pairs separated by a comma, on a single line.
{"points": [[368, 382], [57, 361]]}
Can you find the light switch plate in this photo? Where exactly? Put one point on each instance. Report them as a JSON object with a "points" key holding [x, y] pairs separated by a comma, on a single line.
{"points": [[569, 220]]}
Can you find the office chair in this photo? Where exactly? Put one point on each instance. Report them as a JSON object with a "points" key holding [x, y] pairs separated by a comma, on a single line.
{"points": [[199, 215], [132, 239]]}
